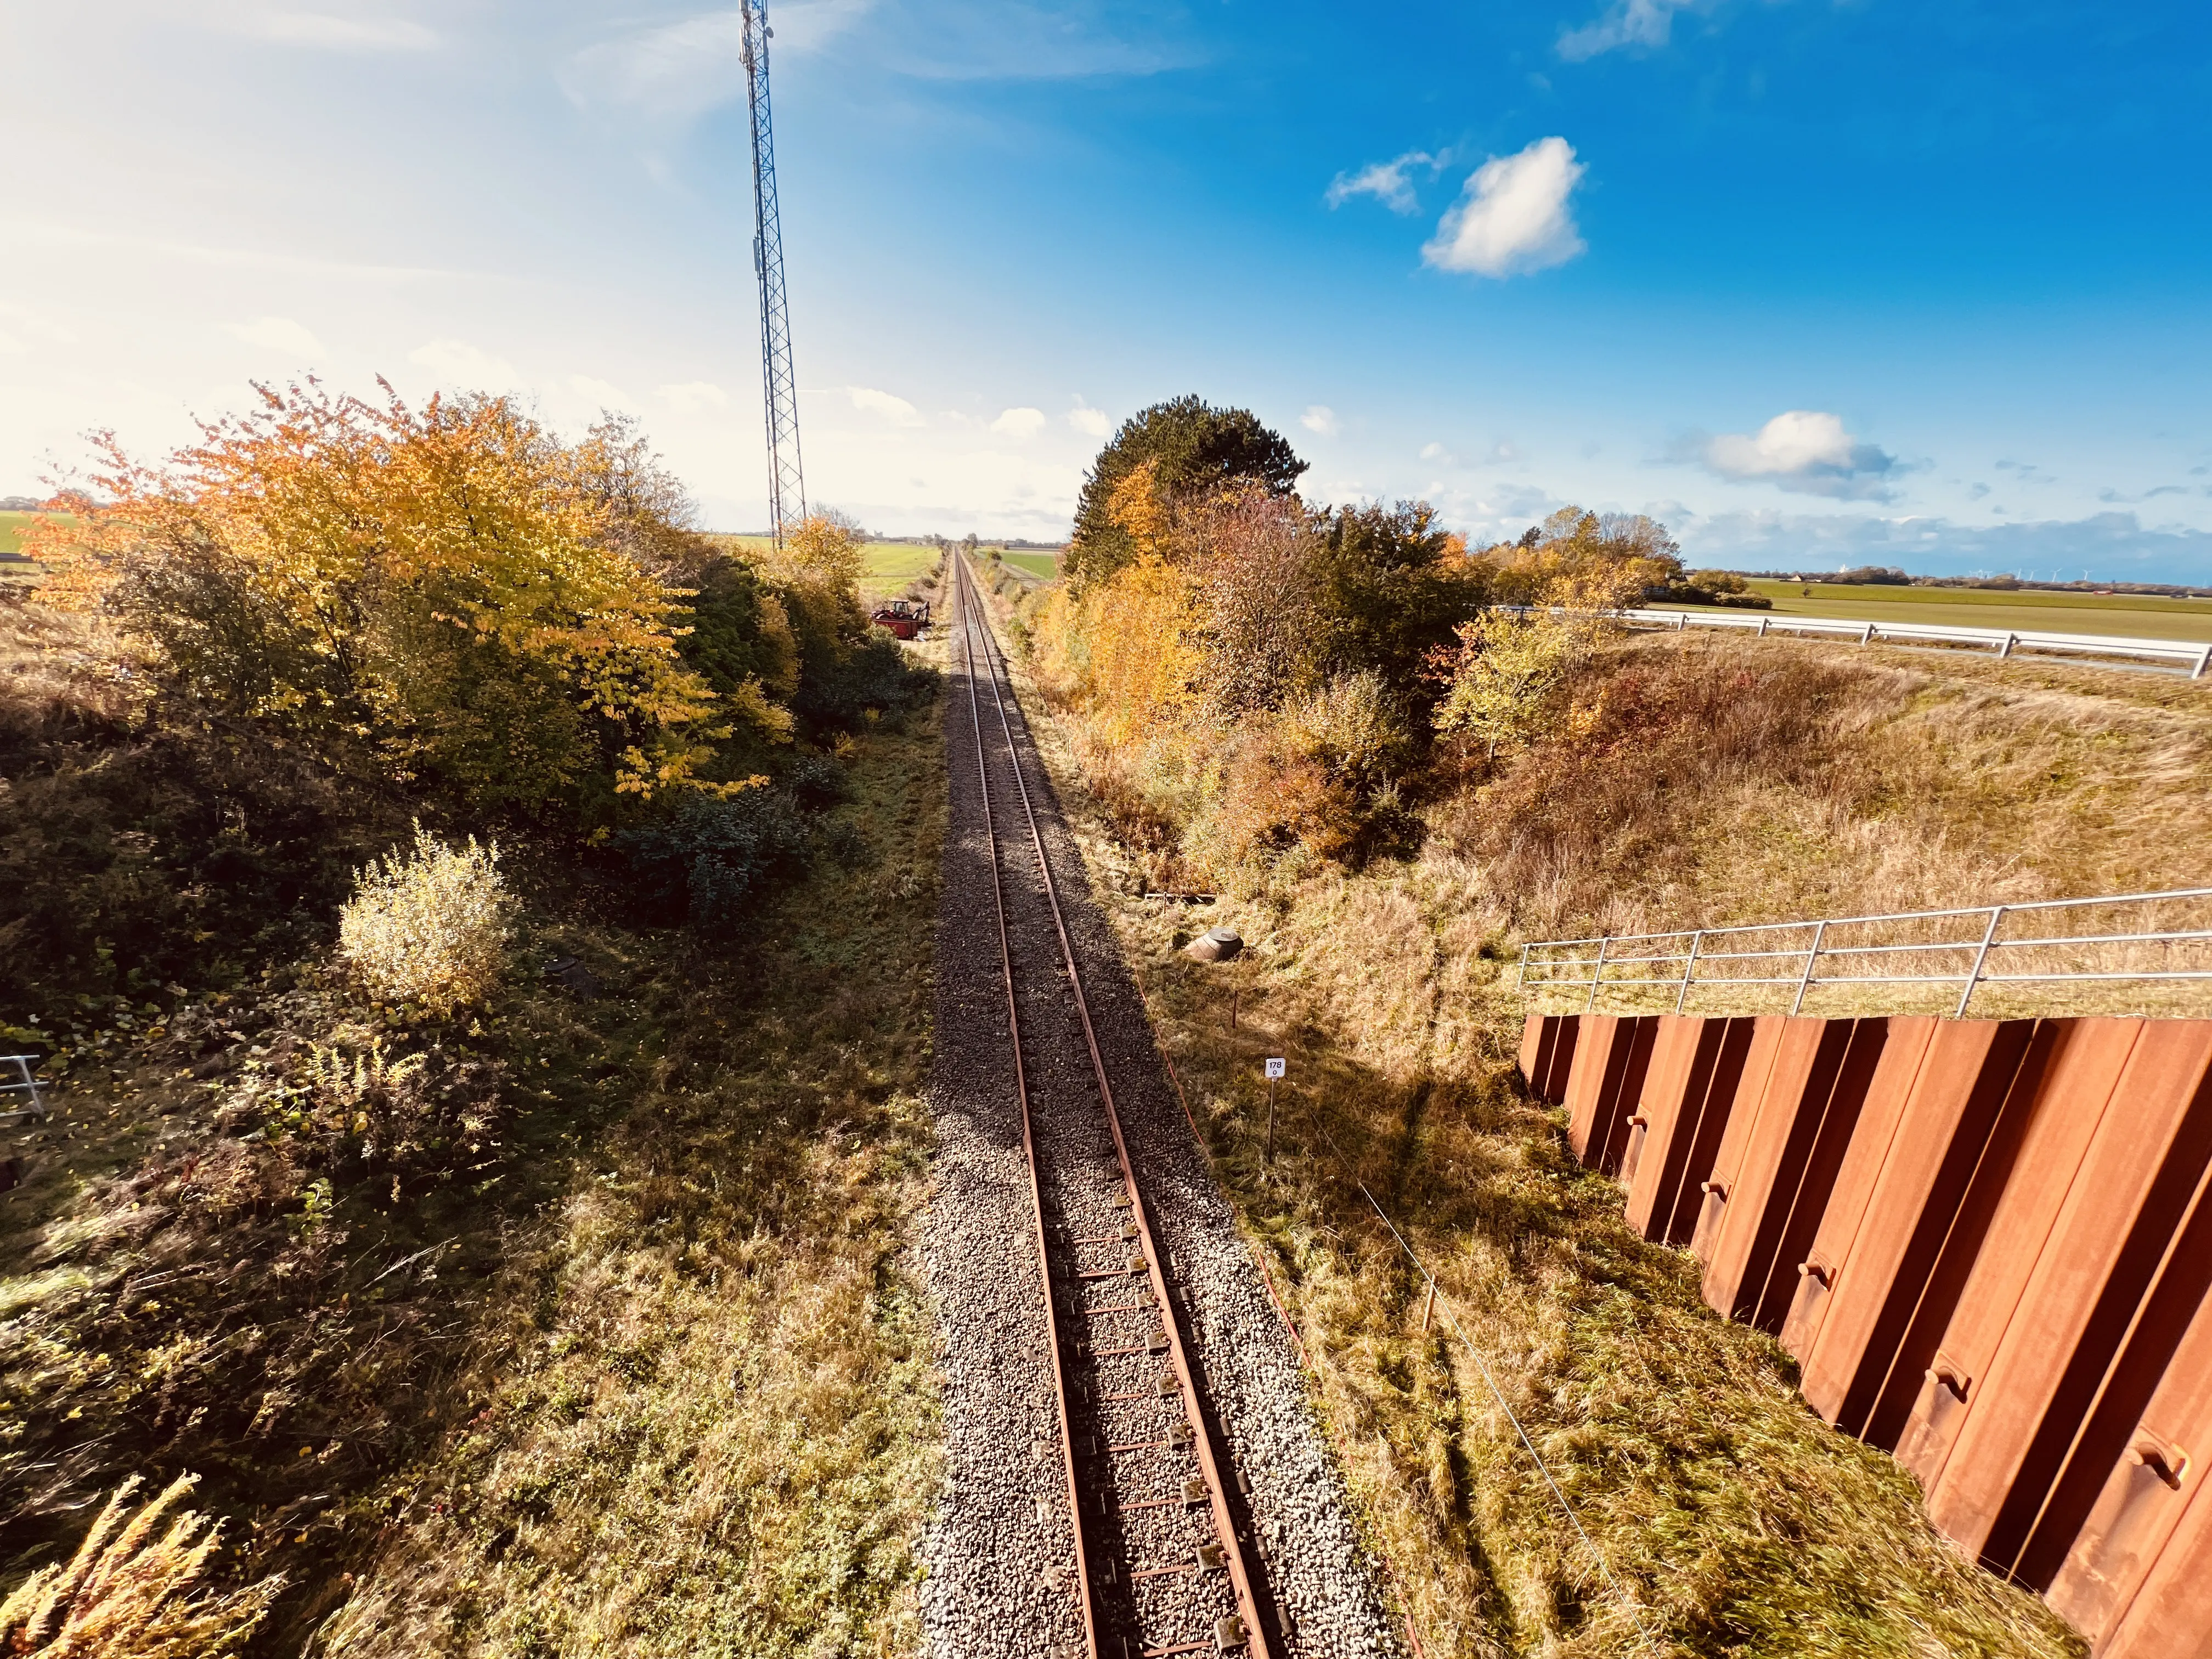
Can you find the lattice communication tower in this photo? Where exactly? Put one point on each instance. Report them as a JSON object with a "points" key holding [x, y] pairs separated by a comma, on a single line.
{"points": [[786, 479]]}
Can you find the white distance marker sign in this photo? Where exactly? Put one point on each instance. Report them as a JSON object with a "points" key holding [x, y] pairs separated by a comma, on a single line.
{"points": [[1275, 1069]]}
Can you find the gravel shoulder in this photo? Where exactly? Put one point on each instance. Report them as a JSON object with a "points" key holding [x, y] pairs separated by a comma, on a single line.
{"points": [[1001, 1526]]}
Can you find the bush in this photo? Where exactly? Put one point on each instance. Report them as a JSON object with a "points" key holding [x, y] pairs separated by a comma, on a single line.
{"points": [[429, 929], [711, 860], [129, 1595]]}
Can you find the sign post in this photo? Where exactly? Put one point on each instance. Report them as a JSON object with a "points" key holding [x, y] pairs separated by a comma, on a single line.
{"points": [[1275, 1069]]}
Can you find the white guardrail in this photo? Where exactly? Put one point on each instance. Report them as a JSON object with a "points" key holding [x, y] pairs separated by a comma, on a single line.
{"points": [[1900, 949], [2005, 641]]}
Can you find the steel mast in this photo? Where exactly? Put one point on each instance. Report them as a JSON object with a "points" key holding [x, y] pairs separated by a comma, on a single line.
{"points": [[786, 480]]}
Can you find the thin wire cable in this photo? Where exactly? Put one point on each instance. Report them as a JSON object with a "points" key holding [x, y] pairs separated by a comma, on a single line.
{"points": [[1444, 1302]]}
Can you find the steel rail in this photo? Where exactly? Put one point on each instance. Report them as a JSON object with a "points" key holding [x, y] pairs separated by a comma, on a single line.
{"points": [[1029, 1162], [974, 621], [1896, 915]]}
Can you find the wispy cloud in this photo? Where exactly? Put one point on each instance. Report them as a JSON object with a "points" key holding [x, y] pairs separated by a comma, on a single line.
{"points": [[321, 29], [1801, 450], [1019, 424], [1386, 181], [1624, 23], [679, 71], [889, 405], [693, 397], [1513, 217], [1091, 423], [1321, 418], [280, 334], [604, 393], [463, 366]]}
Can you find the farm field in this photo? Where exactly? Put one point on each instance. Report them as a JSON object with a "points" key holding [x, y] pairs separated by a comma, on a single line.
{"points": [[1045, 566], [2138, 616], [890, 566], [887, 566]]}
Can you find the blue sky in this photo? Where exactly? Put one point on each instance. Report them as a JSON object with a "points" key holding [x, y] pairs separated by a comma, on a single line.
{"points": [[1815, 283]]}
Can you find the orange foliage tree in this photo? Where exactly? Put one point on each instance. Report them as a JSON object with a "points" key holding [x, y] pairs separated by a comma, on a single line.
{"points": [[443, 589]]}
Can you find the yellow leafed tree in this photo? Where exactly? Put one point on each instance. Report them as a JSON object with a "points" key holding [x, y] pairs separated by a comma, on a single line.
{"points": [[445, 587]]}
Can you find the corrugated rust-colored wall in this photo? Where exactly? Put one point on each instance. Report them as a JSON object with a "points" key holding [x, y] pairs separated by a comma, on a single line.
{"points": [[1988, 1242]]}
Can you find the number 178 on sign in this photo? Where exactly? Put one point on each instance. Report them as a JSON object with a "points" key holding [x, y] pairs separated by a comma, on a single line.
{"points": [[1274, 1070]]}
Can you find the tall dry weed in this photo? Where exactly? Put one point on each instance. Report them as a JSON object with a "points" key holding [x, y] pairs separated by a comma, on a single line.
{"points": [[130, 1595]]}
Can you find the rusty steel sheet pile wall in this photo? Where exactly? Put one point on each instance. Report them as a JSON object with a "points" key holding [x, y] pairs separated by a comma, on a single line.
{"points": [[1612, 1055], [1987, 1243]]}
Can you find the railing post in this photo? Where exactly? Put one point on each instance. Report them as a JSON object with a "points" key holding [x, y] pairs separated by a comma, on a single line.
{"points": [[1819, 932], [2010, 641], [1981, 956], [2203, 661], [1865, 634], [1521, 972], [1762, 627], [1689, 967], [1597, 973], [1682, 621]]}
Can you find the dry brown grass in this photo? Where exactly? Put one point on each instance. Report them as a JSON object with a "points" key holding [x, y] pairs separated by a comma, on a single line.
{"points": [[1732, 780], [703, 1396], [128, 1594], [1730, 1519], [633, 1363]]}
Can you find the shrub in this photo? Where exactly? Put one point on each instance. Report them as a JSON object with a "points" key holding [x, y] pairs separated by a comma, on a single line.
{"points": [[128, 1595], [430, 928], [711, 860]]}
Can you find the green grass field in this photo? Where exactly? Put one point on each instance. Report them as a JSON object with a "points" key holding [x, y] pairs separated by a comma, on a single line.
{"points": [[12, 525], [1045, 566], [887, 566], [2135, 615], [892, 565]]}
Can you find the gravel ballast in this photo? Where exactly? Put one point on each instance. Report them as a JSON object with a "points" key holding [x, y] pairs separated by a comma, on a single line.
{"points": [[1001, 1552]]}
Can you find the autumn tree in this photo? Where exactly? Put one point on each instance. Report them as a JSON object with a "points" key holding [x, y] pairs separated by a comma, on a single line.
{"points": [[1194, 449], [1506, 677], [444, 592], [1587, 561]]}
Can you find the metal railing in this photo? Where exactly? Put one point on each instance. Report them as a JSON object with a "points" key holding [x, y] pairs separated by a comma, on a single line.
{"points": [[1963, 947], [2196, 658], [24, 1084]]}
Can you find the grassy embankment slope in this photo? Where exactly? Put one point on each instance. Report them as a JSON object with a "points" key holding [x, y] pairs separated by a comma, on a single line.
{"points": [[2140, 616], [1710, 779], [649, 1376]]}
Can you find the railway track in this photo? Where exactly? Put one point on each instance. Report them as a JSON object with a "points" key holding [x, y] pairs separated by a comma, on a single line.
{"points": [[1161, 1563]]}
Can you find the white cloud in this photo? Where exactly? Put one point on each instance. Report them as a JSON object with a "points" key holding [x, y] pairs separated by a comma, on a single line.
{"points": [[892, 408], [310, 29], [1091, 423], [462, 366], [604, 393], [683, 69], [280, 334], [1625, 23], [1321, 418], [1513, 217], [693, 397], [1435, 452], [1386, 181], [1020, 422], [1801, 450]]}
